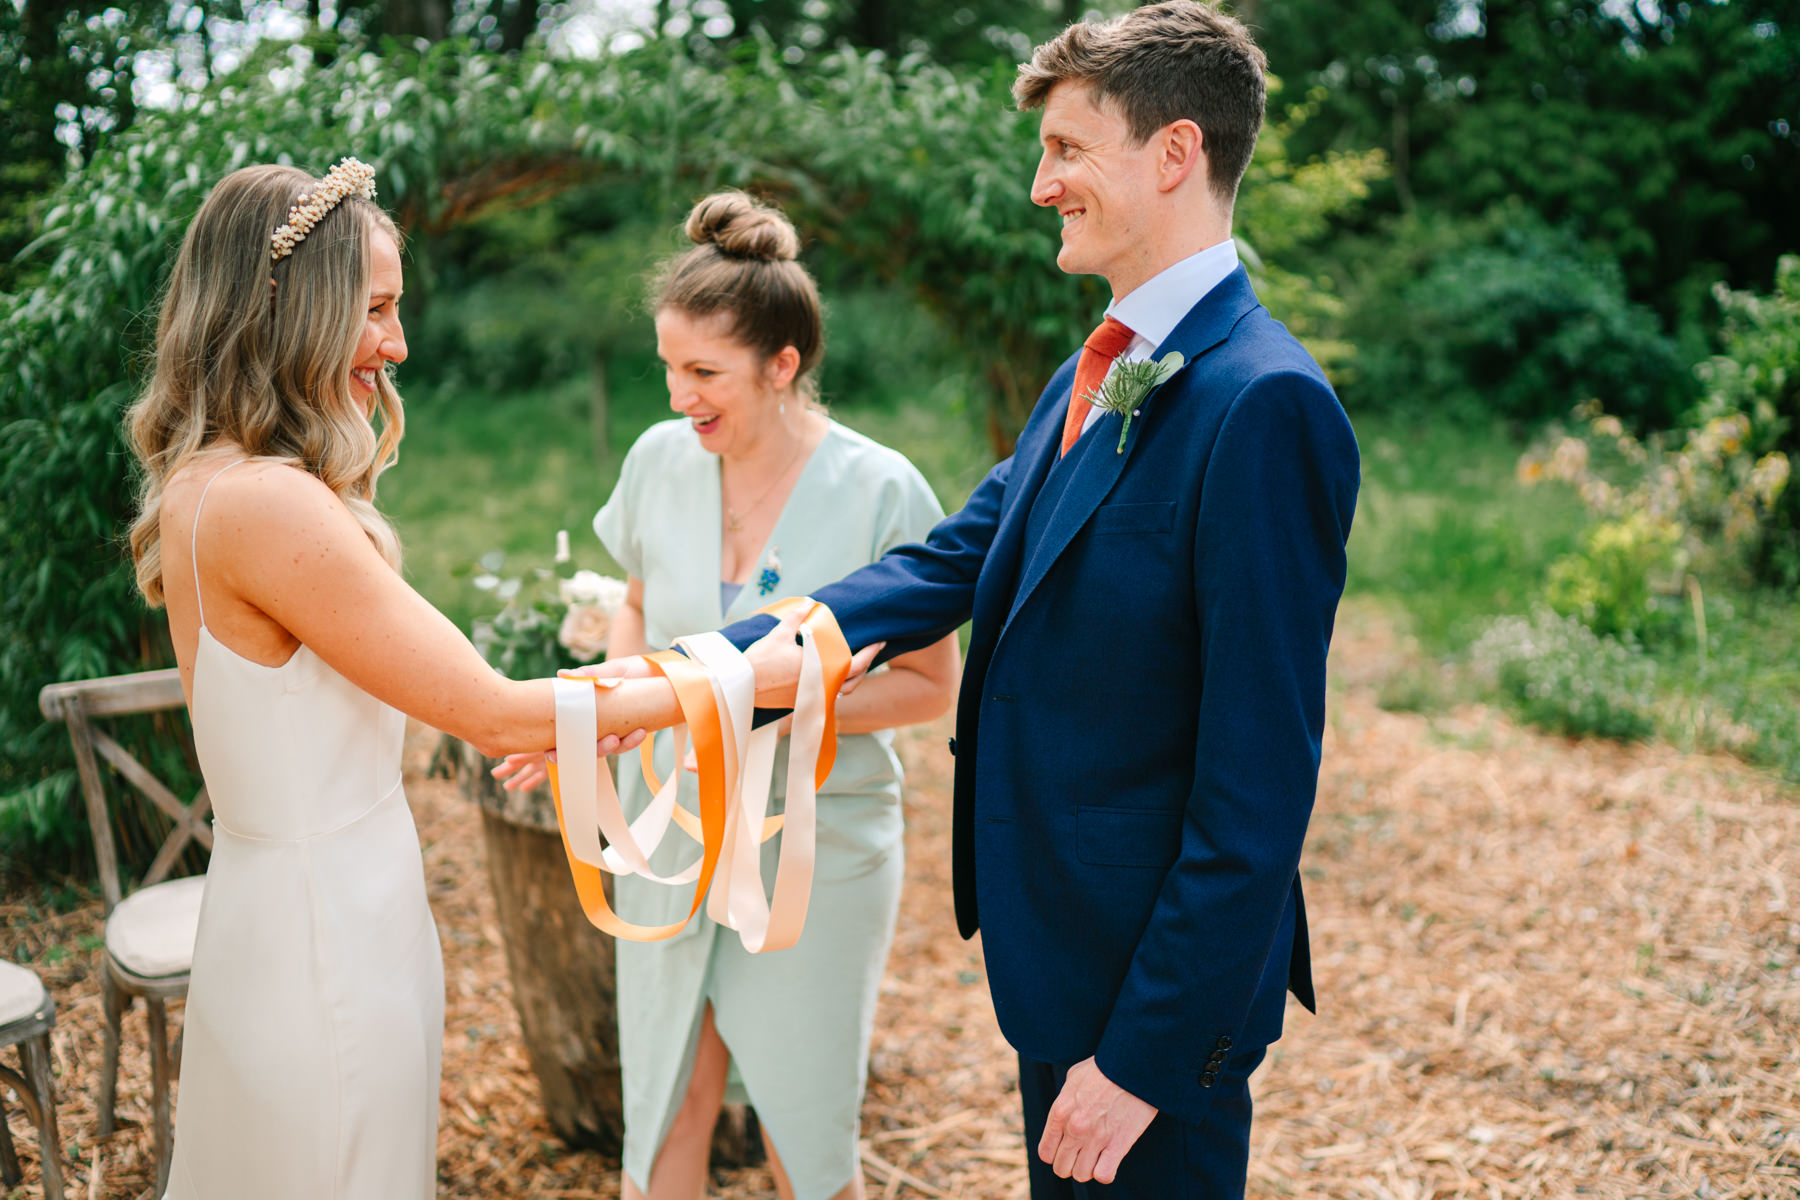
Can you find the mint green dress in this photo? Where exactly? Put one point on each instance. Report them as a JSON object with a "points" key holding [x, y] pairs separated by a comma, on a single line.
{"points": [[797, 1021]]}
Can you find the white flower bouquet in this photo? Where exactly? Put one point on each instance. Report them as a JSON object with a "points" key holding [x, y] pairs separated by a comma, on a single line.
{"points": [[551, 618]]}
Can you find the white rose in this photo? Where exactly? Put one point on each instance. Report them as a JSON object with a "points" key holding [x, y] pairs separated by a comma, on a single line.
{"points": [[592, 588], [583, 632]]}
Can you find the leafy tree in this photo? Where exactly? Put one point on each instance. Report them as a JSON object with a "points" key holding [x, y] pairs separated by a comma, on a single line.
{"points": [[67, 69], [1666, 134], [917, 172], [1502, 315]]}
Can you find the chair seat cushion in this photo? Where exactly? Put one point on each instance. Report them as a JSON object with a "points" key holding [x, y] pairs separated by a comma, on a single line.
{"points": [[21, 993], [151, 932]]}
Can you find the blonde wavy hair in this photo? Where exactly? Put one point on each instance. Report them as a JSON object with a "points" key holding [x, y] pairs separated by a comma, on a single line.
{"points": [[267, 374]]}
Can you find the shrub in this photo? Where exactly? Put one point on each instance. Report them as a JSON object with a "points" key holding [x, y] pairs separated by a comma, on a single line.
{"points": [[1702, 496], [1621, 580], [1562, 676], [1505, 316], [1757, 381]]}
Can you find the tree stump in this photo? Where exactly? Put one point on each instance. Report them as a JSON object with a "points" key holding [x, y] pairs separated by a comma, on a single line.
{"points": [[562, 970], [561, 967]]}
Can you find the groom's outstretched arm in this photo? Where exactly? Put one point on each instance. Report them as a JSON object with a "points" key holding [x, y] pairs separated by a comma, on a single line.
{"points": [[914, 594]]}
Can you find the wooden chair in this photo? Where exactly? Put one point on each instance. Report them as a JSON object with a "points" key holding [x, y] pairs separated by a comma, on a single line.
{"points": [[150, 932], [26, 1016]]}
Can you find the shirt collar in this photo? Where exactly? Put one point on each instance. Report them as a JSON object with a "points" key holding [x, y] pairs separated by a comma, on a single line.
{"points": [[1153, 308]]}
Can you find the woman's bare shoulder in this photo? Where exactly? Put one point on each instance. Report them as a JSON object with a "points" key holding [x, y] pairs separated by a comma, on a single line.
{"points": [[256, 504]]}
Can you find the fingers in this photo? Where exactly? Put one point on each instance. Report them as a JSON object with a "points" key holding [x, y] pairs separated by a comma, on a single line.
{"points": [[859, 667], [633, 740], [1051, 1143], [1106, 1167], [789, 624], [776, 660], [521, 772], [1083, 1168], [632, 667], [1091, 1126]]}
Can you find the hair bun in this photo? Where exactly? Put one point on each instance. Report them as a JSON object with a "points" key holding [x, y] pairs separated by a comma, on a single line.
{"points": [[743, 228]]}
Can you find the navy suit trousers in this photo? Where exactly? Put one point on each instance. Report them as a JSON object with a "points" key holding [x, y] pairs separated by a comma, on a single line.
{"points": [[1172, 1160]]}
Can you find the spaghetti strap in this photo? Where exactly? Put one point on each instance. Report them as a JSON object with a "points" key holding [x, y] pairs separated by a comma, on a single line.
{"points": [[194, 538]]}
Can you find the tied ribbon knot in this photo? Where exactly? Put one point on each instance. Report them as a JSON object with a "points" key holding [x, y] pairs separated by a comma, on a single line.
{"points": [[1102, 347], [716, 691]]}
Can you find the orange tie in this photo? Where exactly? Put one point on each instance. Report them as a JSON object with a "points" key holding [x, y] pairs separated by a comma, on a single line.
{"points": [[1097, 353]]}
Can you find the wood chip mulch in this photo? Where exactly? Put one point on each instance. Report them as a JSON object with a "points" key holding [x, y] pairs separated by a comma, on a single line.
{"points": [[1546, 968]]}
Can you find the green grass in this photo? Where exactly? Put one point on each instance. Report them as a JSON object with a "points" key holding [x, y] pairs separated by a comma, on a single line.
{"points": [[1446, 536], [1444, 530]]}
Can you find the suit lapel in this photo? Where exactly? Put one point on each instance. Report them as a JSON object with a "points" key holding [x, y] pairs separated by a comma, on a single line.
{"points": [[1206, 325]]}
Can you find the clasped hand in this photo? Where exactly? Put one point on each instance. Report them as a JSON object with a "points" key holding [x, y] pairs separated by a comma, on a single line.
{"points": [[774, 657], [1092, 1125]]}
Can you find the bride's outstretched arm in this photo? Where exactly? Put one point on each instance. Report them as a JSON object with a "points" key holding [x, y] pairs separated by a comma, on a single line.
{"points": [[296, 553]]}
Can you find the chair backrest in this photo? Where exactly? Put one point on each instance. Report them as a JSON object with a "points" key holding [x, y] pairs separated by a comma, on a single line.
{"points": [[82, 702]]}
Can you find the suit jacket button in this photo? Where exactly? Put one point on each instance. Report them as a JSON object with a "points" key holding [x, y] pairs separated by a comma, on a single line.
{"points": [[1224, 1042], [1215, 1058], [952, 747], [1207, 1079]]}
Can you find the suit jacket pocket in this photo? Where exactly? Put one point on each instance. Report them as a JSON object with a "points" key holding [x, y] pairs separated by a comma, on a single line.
{"points": [[1127, 837], [1157, 517]]}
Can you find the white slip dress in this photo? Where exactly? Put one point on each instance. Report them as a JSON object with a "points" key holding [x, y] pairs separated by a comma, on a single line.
{"points": [[313, 1036]]}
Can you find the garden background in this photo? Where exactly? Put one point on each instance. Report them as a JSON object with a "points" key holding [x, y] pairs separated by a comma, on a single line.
{"points": [[1545, 248]]}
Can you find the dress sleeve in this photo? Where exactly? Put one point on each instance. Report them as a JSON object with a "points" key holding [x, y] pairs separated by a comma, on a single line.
{"points": [[907, 511], [617, 524]]}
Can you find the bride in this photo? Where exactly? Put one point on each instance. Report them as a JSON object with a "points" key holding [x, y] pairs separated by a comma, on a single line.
{"points": [[314, 1021]]}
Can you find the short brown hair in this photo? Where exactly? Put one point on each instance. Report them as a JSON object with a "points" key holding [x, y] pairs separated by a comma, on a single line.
{"points": [[1160, 64], [744, 263]]}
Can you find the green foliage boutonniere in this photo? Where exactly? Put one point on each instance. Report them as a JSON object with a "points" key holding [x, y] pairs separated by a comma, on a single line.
{"points": [[1125, 388]]}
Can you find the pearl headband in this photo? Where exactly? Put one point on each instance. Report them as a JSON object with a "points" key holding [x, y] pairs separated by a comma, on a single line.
{"points": [[349, 178]]}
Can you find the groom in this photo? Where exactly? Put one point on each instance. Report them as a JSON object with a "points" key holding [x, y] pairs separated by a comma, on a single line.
{"points": [[1137, 742]]}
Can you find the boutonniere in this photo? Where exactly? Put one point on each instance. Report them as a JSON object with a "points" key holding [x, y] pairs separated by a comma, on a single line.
{"points": [[1125, 388]]}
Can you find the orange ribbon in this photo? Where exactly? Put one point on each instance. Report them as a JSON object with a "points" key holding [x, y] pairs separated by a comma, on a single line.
{"points": [[715, 691]]}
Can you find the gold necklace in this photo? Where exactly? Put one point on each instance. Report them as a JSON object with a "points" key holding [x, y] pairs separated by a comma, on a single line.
{"points": [[734, 520]]}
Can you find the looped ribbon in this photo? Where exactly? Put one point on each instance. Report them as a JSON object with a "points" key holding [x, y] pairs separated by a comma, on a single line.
{"points": [[716, 691]]}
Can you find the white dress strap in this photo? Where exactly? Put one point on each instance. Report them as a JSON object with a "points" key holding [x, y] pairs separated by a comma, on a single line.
{"points": [[194, 537]]}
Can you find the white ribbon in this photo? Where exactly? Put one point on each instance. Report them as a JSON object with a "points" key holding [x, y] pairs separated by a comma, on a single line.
{"points": [[737, 899]]}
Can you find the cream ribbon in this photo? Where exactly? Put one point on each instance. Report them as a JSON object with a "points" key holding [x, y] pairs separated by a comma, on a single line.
{"points": [[717, 693]]}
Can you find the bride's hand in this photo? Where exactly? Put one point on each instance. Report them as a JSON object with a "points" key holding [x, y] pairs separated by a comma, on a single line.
{"points": [[775, 657], [633, 667], [859, 667]]}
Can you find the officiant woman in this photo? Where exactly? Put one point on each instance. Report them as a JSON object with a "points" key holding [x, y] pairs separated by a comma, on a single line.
{"points": [[750, 494]]}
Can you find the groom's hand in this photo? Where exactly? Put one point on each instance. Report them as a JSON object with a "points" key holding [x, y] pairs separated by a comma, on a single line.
{"points": [[1092, 1125]]}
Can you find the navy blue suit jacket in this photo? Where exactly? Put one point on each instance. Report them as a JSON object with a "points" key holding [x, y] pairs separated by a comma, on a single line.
{"points": [[1138, 729]]}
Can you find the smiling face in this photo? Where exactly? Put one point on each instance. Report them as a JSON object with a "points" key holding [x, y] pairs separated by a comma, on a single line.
{"points": [[725, 389], [1102, 185], [382, 341]]}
